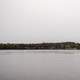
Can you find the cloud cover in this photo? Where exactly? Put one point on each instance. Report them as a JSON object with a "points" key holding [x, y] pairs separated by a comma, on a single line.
{"points": [[39, 20]]}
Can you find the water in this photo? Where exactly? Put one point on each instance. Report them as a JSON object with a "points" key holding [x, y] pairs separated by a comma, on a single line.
{"points": [[39, 65]]}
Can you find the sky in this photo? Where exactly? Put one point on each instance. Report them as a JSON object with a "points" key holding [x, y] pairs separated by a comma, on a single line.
{"points": [[29, 21]]}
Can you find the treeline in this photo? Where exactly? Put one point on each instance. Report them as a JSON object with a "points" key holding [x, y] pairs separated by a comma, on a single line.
{"points": [[62, 45]]}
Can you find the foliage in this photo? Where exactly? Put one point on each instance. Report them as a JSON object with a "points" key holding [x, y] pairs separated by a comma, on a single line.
{"points": [[62, 45]]}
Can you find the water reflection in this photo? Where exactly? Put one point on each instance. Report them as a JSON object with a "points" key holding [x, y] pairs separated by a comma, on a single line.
{"points": [[40, 65]]}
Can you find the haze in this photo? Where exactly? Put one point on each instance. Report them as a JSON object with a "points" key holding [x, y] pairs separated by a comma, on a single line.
{"points": [[39, 20]]}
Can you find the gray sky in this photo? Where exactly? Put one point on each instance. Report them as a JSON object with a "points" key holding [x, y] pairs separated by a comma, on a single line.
{"points": [[39, 20]]}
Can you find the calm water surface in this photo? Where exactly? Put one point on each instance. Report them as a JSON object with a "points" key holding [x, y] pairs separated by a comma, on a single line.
{"points": [[39, 65]]}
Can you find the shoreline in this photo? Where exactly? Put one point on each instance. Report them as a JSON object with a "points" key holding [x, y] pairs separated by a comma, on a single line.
{"points": [[41, 46]]}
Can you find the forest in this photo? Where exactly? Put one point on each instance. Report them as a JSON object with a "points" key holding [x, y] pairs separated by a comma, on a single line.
{"points": [[60, 45]]}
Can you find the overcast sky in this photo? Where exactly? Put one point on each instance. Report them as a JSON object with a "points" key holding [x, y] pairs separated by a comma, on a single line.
{"points": [[39, 20]]}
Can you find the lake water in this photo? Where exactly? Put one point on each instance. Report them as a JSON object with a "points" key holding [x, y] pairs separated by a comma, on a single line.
{"points": [[39, 65]]}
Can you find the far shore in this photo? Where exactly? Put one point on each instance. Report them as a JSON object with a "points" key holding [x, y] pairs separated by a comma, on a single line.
{"points": [[41, 46]]}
